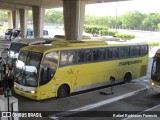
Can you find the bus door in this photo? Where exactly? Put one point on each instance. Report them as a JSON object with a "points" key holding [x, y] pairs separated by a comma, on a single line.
{"points": [[47, 85]]}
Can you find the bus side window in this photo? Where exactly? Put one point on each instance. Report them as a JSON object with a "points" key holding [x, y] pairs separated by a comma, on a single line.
{"points": [[112, 53], [98, 54], [102, 54], [123, 52], [143, 49], [84, 56], [134, 51], [87, 56], [95, 55], [67, 58]]}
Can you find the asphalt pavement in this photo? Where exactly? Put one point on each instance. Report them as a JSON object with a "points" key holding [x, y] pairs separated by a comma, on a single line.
{"points": [[81, 101]]}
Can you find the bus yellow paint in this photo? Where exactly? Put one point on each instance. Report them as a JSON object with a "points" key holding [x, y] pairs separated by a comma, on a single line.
{"points": [[66, 67]]}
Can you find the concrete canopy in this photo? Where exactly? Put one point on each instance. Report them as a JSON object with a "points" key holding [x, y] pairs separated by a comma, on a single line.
{"points": [[73, 14], [19, 4]]}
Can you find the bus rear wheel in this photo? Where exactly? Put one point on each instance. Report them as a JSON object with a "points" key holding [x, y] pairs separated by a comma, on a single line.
{"points": [[63, 91], [127, 77]]}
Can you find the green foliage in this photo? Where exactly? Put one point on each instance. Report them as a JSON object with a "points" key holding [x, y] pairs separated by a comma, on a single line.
{"points": [[112, 33], [93, 29], [3, 16], [1, 25], [54, 16], [102, 30], [125, 36], [30, 16], [101, 21], [153, 44], [151, 21], [131, 19], [108, 32]]}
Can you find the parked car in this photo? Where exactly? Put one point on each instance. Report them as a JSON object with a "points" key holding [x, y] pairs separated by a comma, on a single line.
{"points": [[11, 34], [15, 33], [30, 33]]}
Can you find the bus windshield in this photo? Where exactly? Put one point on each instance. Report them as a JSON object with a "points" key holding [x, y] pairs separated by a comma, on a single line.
{"points": [[23, 75], [14, 50], [155, 73]]}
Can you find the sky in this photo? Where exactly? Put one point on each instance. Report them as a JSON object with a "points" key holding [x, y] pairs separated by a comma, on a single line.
{"points": [[109, 9]]}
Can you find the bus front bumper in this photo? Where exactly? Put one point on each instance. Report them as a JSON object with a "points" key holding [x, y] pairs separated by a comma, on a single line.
{"points": [[26, 94], [155, 88]]}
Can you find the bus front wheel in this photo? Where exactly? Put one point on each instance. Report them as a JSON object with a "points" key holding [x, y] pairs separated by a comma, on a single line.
{"points": [[127, 77], [63, 91]]}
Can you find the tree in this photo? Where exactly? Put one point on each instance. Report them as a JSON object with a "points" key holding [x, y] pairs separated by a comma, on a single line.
{"points": [[3, 16], [151, 21], [54, 16], [132, 20], [30, 18]]}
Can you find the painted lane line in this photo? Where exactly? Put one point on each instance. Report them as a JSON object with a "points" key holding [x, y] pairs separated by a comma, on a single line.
{"points": [[149, 109], [152, 108], [95, 105]]}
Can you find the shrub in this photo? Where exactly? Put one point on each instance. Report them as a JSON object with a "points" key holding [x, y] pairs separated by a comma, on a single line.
{"points": [[94, 29], [1, 25], [125, 36], [153, 44], [112, 33], [102, 30]]}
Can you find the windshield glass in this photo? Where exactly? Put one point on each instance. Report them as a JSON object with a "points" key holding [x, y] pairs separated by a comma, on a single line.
{"points": [[25, 77], [155, 73], [16, 33], [8, 32], [23, 56]]}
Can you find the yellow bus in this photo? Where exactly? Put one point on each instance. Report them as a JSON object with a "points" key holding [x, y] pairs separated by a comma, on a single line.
{"points": [[155, 73], [57, 70]]}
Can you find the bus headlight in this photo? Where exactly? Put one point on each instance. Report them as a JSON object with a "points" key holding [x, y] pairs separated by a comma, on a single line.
{"points": [[152, 83], [32, 92]]}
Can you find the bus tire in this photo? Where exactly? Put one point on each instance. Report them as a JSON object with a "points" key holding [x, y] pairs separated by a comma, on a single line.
{"points": [[63, 91], [127, 77]]}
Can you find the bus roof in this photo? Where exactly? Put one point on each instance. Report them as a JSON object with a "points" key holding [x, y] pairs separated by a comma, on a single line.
{"points": [[78, 43], [62, 37], [34, 41], [66, 45]]}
